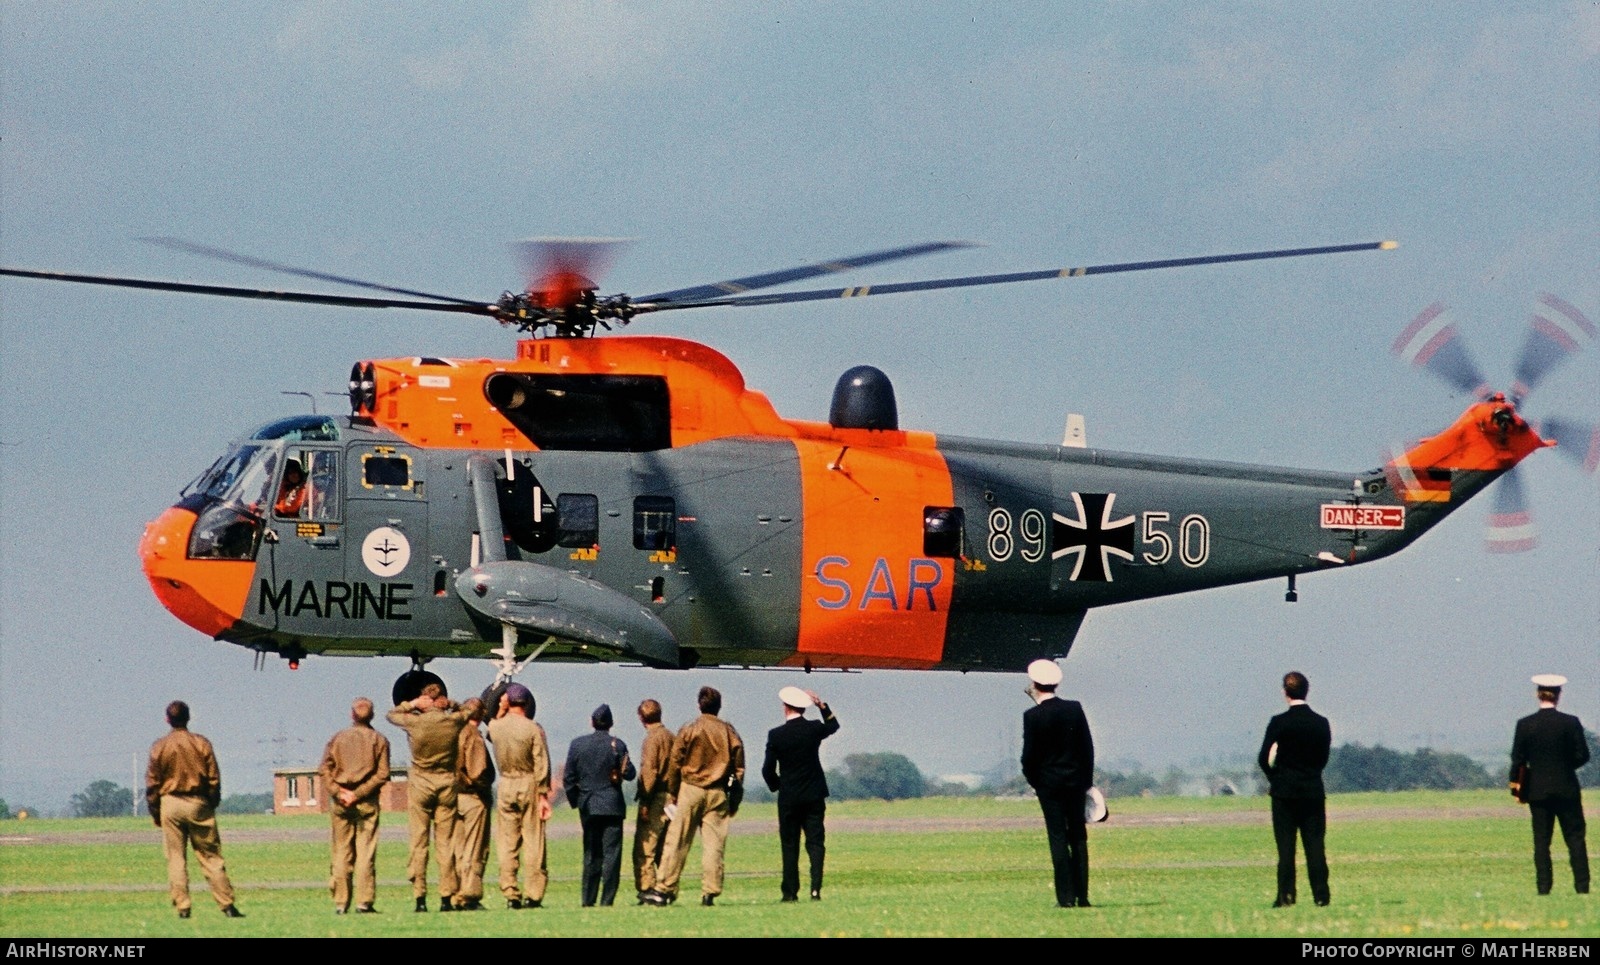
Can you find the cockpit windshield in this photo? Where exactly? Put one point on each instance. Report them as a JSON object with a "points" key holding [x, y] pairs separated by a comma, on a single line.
{"points": [[243, 477]]}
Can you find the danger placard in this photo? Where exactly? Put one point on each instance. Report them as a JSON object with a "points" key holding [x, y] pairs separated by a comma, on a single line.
{"points": [[1345, 516]]}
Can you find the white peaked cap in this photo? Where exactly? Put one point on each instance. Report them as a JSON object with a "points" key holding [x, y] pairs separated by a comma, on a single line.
{"points": [[1045, 673], [1549, 680], [794, 697]]}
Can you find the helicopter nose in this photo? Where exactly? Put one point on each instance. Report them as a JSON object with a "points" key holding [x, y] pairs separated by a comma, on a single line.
{"points": [[207, 594]]}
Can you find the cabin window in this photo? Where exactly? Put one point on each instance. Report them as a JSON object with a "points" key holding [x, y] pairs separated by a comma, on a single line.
{"points": [[579, 514], [308, 487], [380, 470], [655, 523], [590, 413], [942, 528]]}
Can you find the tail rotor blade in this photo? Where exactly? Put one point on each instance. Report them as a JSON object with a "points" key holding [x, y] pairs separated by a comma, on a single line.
{"points": [[1511, 528], [1431, 342], [1577, 441], [1556, 330]]}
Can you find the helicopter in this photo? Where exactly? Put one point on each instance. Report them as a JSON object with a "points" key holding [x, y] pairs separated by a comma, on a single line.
{"points": [[623, 498]]}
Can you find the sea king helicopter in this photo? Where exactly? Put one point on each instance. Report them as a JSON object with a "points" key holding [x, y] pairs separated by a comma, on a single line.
{"points": [[628, 498]]}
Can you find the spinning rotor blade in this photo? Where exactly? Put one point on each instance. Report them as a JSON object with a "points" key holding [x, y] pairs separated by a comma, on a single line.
{"points": [[645, 305], [1578, 441], [1555, 331], [222, 254], [309, 298], [1511, 528], [736, 285], [1431, 342]]}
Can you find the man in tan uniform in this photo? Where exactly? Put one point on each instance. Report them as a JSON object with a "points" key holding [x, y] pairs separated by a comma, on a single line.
{"points": [[523, 755], [433, 725], [355, 767], [474, 798], [182, 788], [705, 783], [649, 832]]}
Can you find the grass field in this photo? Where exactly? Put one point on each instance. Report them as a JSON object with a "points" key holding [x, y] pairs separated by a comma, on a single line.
{"points": [[1403, 865]]}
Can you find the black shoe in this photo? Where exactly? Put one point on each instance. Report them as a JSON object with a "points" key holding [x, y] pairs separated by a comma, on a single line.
{"points": [[473, 904], [228, 911], [532, 903], [1284, 901], [339, 911], [816, 894], [444, 905], [183, 913], [1321, 902], [656, 898], [422, 903], [366, 910], [707, 901], [1084, 903], [514, 903], [788, 898]]}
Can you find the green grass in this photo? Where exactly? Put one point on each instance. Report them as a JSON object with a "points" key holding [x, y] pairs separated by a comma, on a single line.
{"points": [[1412, 864]]}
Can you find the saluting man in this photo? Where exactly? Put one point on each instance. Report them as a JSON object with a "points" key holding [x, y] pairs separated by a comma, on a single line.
{"points": [[1546, 752], [433, 724], [793, 770], [474, 799]]}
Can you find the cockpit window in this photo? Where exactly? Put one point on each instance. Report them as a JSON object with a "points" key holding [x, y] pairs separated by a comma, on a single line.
{"points": [[243, 476], [309, 486], [300, 428]]}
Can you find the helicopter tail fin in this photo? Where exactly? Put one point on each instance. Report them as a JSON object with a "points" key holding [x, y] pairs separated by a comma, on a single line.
{"points": [[1488, 439]]}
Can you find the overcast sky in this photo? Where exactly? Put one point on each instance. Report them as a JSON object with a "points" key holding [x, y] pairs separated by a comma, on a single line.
{"points": [[409, 143]]}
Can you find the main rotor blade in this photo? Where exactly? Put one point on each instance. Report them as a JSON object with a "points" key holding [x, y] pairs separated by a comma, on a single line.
{"points": [[310, 298], [1511, 528], [1431, 342], [643, 305], [222, 254], [749, 283], [1555, 331]]}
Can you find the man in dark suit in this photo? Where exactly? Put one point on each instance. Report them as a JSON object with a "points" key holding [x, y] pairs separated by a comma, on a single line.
{"points": [[793, 770], [1293, 754], [1546, 752], [1058, 761], [597, 766]]}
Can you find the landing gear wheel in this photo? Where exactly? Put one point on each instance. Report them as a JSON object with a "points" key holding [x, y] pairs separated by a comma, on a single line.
{"points": [[408, 686]]}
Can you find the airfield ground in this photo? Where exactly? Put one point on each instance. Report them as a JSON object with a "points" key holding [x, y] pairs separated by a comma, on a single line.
{"points": [[1404, 865]]}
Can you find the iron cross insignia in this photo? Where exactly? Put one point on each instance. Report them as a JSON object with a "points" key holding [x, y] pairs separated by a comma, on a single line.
{"points": [[1093, 538]]}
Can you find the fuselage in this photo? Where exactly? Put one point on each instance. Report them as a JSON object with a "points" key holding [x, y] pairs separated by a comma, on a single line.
{"points": [[629, 499]]}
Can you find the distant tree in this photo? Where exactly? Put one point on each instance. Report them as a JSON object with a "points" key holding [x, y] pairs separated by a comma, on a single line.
{"points": [[246, 804], [5, 810], [1118, 784], [886, 775], [1589, 774], [102, 799], [1432, 770], [1352, 767]]}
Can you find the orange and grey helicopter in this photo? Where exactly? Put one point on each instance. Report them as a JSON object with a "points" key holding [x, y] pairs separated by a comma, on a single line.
{"points": [[623, 498]]}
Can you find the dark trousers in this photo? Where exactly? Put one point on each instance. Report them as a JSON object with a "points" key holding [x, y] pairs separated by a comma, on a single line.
{"points": [[1569, 811], [1307, 817], [1069, 845], [792, 819], [602, 858]]}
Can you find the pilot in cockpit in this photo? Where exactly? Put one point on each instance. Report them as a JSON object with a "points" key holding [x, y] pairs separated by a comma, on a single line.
{"points": [[292, 492]]}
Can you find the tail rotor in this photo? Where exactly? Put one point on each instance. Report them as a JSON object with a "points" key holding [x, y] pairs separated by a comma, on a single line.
{"points": [[1556, 330]]}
